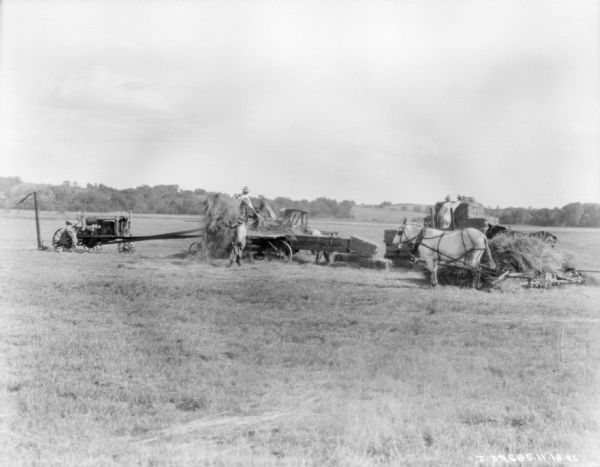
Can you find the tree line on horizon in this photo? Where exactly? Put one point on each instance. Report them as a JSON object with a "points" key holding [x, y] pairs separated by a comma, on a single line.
{"points": [[159, 199], [170, 199]]}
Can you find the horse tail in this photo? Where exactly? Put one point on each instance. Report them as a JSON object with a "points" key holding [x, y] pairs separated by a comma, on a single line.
{"points": [[488, 253]]}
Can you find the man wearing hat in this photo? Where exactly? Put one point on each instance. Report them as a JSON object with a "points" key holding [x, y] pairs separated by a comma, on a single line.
{"points": [[246, 208], [73, 234]]}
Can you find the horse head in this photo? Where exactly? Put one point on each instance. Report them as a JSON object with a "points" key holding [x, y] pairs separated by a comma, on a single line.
{"points": [[406, 233], [494, 230]]}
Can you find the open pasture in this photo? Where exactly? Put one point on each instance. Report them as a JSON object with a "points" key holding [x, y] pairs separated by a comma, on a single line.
{"points": [[160, 358]]}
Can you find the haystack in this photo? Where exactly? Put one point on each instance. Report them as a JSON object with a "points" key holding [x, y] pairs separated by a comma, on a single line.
{"points": [[521, 253], [220, 211]]}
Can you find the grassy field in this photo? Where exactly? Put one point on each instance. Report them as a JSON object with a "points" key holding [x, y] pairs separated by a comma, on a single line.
{"points": [[159, 358]]}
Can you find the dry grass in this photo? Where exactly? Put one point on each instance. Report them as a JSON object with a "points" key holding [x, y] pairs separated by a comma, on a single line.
{"points": [[219, 211], [520, 253], [144, 359]]}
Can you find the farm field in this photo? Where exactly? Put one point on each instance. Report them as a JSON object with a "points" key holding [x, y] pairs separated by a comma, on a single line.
{"points": [[162, 358]]}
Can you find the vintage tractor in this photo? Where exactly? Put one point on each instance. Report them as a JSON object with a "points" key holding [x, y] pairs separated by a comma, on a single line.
{"points": [[91, 233]]}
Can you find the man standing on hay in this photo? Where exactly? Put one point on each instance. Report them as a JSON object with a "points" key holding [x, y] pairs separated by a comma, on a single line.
{"points": [[246, 208]]}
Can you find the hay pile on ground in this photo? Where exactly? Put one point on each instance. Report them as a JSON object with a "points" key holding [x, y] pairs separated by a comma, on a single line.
{"points": [[521, 253], [220, 211]]}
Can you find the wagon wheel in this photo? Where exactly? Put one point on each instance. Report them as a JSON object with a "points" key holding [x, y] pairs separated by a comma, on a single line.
{"points": [[62, 239], [196, 247], [287, 251], [125, 247], [279, 250]]}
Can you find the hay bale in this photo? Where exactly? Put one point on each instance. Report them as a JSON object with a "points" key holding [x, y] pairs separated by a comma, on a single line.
{"points": [[379, 264], [469, 209], [389, 235], [480, 223], [353, 260], [338, 257], [220, 211], [362, 247]]}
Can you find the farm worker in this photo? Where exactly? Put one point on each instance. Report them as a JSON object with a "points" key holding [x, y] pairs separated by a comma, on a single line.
{"points": [[72, 234], [246, 208], [444, 219]]}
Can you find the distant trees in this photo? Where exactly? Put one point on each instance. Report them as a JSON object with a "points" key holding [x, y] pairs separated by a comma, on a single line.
{"points": [[320, 207], [570, 215], [170, 199], [159, 199]]}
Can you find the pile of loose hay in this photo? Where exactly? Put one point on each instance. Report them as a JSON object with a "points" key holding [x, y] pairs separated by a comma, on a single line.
{"points": [[521, 253], [220, 211]]}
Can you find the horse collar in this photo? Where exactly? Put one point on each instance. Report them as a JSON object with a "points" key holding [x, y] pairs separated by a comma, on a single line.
{"points": [[417, 242]]}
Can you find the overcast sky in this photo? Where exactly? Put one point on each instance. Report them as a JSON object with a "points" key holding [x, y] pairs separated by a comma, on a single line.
{"points": [[405, 101]]}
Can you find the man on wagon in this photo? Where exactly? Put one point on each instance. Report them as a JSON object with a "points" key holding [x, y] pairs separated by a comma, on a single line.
{"points": [[246, 208], [444, 217], [247, 211]]}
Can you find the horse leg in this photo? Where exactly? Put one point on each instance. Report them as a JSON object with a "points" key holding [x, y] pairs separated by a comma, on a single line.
{"points": [[238, 255], [433, 266], [434, 275], [476, 278], [488, 254]]}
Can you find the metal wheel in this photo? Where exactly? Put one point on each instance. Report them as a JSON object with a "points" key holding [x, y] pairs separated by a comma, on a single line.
{"points": [[62, 239], [278, 250], [196, 247], [125, 247]]}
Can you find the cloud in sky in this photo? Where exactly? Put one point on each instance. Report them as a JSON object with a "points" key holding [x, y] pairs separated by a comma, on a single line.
{"points": [[371, 101]]}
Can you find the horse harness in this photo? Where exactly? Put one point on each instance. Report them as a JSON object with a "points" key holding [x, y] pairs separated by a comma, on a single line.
{"points": [[418, 239]]}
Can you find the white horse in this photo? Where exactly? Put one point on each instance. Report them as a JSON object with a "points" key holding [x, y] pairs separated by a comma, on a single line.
{"points": [[462, 248], [238, 243]]}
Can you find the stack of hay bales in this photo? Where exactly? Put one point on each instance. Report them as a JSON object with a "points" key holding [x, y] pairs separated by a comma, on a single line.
{"points": [[220, 211], [470, 213], [469, 209]]}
